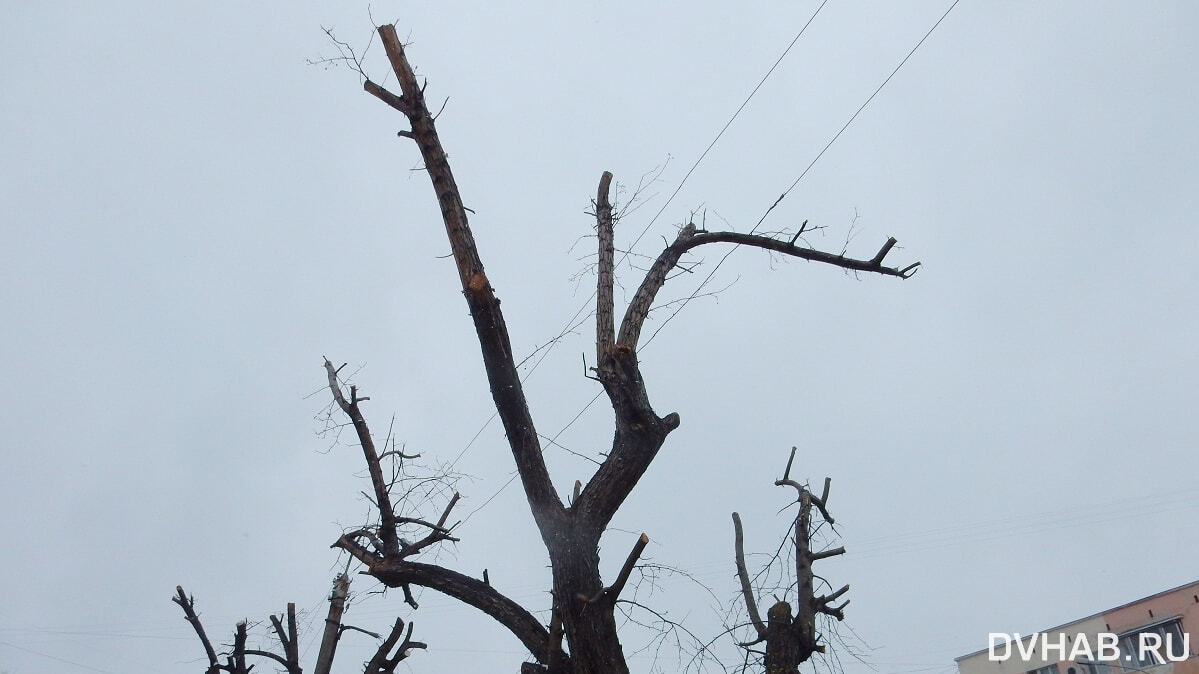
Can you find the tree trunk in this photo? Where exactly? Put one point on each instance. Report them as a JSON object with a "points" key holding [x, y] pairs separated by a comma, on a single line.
{"points": [[585, 609]]}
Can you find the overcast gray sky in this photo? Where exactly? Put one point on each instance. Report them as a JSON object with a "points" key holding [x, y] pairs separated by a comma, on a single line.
{"points": [[194, 217]]}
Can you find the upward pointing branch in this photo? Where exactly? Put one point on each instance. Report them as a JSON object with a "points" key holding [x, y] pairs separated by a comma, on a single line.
{"points": [[188, 604], [747, 590], [506, 389], [604, 326], [332, 631]]}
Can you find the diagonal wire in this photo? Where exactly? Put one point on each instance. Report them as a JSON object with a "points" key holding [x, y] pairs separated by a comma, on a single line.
{"points": [[803, 173], [574, 321], [758, 224]]}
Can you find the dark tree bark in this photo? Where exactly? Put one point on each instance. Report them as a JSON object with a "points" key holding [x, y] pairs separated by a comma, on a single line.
{"points": [[581, 636], [235, 659]]}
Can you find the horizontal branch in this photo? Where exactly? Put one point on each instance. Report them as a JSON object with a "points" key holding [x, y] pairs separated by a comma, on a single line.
{"points": [[873, 265], [527, 628], [689, 238], [827, 553], [267, 654], [655, 278], [604, 327], [333, 627]]}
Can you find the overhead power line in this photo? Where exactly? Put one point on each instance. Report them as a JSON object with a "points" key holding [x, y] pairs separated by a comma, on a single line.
{"points": [[573, 322], [802, 174]]}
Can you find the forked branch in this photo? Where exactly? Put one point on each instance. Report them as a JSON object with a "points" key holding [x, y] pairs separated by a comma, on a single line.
{"points": [[383, 661]]}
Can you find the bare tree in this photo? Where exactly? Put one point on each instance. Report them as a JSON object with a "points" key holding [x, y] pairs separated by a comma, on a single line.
{"points": [[582, 617], [581, 636], [396, 647], [792, 638]]}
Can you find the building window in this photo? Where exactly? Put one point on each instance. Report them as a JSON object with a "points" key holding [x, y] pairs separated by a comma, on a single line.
{"points": [[1047, 669], [1169, 637]]}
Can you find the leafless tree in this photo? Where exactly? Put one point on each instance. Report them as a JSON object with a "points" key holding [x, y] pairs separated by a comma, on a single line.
{"points": [[396, 647], [792, 638], [581, 636]]}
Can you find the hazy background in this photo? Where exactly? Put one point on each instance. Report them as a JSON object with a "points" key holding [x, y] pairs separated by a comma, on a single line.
{"points": [[194, 217]]}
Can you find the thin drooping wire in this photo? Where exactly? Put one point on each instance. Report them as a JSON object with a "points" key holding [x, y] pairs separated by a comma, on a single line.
{"points": [[758, 224], [573, 322], [802, 174]]}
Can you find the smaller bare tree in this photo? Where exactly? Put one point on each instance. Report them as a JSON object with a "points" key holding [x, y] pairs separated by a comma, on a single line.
{"points": [[397, 646], [792, 638]]}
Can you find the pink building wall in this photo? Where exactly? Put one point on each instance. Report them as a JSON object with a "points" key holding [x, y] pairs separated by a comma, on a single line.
{"points": [[1181, 603]]}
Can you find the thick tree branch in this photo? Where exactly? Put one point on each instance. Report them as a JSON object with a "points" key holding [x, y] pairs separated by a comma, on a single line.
{"points": [[689, 239], [506, 389], [639, 435], [383, 662], [634, 316], [613, 591], [236, 662], [188, 605], [873, 265], [475, 593], [805, 615], [747, 591], [827, 553], [387, 524], [333, 628], [604, 326], [640, 432], [554, 647]]}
